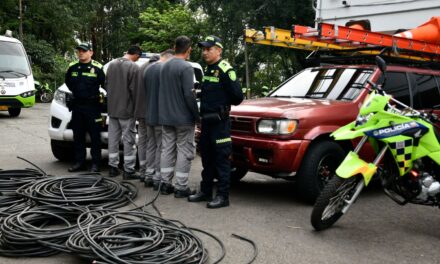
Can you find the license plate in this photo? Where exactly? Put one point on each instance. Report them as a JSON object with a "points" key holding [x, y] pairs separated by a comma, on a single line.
{"points": [[3, 108]]}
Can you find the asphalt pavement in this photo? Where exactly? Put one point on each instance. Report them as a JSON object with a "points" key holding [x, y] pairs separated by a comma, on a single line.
{"points": [[265, 210]]}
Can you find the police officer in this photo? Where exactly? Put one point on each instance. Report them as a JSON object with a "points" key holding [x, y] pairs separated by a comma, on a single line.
{"points": [[220, 89], [83, 79]]}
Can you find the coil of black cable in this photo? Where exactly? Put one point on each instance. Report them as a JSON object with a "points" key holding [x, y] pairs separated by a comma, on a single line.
{"points": [[136, 237], [40, 231], [11, 180], [89, 190]]}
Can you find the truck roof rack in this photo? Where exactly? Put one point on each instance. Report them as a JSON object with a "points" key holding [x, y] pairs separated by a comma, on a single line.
{"points": [[347, 42]]}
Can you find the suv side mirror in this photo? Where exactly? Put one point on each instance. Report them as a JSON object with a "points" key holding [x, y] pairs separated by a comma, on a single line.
{"points": [[381, 64]]}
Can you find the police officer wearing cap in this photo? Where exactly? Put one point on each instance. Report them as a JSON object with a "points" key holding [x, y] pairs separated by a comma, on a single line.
{"points": [[83, 78], [220, 89]]}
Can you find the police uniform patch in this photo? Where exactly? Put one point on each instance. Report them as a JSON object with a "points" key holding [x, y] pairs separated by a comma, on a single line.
{"points": [[92, 70], [232, 75]]}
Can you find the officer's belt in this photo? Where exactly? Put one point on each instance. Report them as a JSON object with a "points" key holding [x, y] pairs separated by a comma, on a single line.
{"points": [[211, 79]]}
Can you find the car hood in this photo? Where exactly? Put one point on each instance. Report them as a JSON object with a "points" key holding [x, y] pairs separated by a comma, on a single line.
{"points": [[281, 107]]}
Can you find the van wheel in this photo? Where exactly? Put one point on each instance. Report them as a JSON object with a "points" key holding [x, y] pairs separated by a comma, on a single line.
{"points": [[62, 150], [14, 112], [237, 173], [317, 168]]}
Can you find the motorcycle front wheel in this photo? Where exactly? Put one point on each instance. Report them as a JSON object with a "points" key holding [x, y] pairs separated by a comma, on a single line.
{"points": [[46, 97], [330, 203]]}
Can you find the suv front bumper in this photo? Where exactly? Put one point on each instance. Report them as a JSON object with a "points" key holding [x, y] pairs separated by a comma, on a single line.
{"points": [[59, 128], [278, 158]]}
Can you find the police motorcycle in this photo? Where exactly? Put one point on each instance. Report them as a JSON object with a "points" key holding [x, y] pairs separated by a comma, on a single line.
{"points": [[43, 92], [407, 162]]}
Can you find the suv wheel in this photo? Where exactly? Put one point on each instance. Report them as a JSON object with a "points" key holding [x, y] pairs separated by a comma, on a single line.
{"points": [[237, 173], [14, 112], [62, 150], [318, 167]]}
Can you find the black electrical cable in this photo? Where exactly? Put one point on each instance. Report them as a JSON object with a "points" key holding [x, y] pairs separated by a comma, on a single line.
{"points": [[254, 256], [89, 190], [11, 204], [11, 180], [38, 168], [136, 237], [40, 231]]}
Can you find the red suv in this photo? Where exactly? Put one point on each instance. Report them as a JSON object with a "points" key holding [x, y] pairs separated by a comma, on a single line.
{"points": [[287, 134]]}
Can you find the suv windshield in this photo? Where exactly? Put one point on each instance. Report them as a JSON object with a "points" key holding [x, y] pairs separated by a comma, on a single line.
{"points": [[13, 60], [325, 83]]}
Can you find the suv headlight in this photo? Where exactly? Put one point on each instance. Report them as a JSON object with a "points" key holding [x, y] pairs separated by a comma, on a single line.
{"points": [[60, 97], [277, 126]]}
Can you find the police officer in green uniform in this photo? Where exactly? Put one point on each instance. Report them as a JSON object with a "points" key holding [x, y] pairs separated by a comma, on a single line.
{"points": [[83, 79], [220, 89]]}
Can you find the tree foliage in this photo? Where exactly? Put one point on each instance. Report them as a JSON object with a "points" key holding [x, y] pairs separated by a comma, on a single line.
{"points": [[160, 26], [52, 29]]}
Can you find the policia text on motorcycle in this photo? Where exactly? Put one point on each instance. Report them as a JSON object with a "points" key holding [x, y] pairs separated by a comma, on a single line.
{"points": [[220, 90], [83, 79]]}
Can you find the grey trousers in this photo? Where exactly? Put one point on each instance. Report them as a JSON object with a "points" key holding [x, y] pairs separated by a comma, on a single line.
{"points": [[142, 145], [154, 145], [178, 150], [122, 129]]}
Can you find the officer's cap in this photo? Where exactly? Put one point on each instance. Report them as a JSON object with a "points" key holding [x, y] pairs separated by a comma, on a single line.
{"points": [[211, 41], [84, 46]]}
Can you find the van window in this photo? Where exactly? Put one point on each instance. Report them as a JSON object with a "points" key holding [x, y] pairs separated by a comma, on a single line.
{"points": [[13, 60], [427, 92], [397, 85], [325, 83]]}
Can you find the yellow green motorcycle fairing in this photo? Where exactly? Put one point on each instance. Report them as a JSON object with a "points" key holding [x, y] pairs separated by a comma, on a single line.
{"points": [[409, 137]]}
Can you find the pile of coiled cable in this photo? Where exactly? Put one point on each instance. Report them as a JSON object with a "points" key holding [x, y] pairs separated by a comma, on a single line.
{"points": [[40, 231], [135, 237], [88, 190], [74, 215], [10, 181]]}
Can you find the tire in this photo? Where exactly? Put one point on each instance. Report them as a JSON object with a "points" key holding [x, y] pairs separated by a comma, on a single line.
{"points": [[317, 168], [328, 207], [46, 97], [237, 173], [62, 151], [14, 112]]}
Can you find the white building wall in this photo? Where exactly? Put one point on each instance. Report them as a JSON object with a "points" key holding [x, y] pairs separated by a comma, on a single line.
{"points": [[384, 15]]}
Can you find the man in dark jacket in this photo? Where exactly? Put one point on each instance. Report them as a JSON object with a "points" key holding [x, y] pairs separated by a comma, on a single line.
{"points": [[178, 114], [121, 85], [220, 90], [154, 130], [83, 79], [139, 114]]}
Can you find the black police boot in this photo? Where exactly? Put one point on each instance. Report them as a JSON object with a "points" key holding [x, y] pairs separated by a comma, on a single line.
{"points": [[95, 168], [148, 182], [218, 202], [77, 167], [130, 175], [113, 171], [166, 188], [199, 197], [184, 193]]}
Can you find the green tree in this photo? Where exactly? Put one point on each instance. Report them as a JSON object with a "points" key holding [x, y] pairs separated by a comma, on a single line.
{"points": [[160, 26], [228, 19]]}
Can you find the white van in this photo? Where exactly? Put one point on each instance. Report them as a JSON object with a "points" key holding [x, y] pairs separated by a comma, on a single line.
{"points": [[60, 132], [16, 80]]}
